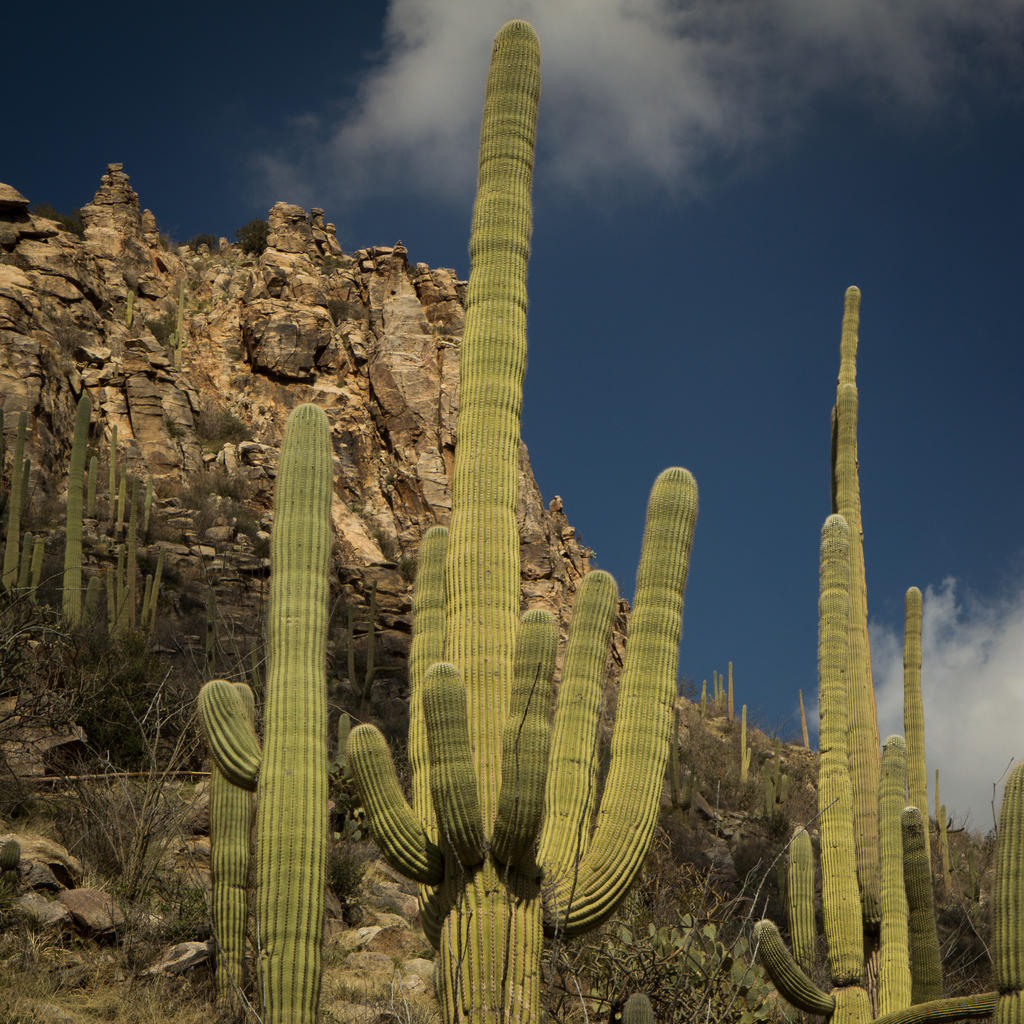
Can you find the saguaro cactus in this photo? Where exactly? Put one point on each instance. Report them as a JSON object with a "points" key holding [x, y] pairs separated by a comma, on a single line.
{"points": [[498, 865], [865, 762], [15, 499], [800, 899], [72, 606], [913, 707], [925, 959], [291, 860], [894, 962]]}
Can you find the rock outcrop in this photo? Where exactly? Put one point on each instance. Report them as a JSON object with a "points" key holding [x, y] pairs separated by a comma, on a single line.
{"points": [[201, 407]]}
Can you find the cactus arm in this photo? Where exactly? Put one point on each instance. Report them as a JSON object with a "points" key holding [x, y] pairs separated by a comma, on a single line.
{"points": [[395, 827], [943, 1011], [231, 811], [925, 958], [452, 781], [800, 899], [292, 806], [572, 775], [526, 740], [639, 748], [787, 975], [426, 649], [229, 733], [894, 962], [843, 925]]}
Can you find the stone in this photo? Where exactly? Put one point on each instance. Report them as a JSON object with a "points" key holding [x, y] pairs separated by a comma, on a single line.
{"points": [[47, 915], [181, 957], [63, 867], [95, 913], [11, 198], [289, 229]]}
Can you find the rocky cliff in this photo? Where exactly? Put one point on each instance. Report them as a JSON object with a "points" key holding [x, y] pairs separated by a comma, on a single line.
{"points": [[196, 359]]}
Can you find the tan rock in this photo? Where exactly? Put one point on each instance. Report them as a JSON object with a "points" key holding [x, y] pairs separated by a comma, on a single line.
{"points": [[94, 912]]}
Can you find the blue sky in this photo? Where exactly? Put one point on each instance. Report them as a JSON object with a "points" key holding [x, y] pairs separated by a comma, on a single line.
{"points": [[710, 178]]}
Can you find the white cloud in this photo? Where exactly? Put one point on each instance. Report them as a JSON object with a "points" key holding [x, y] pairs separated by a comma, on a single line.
{"points": [[972, 682], [638, 91]]}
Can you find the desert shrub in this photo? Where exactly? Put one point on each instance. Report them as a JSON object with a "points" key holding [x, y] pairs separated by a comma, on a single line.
{"points": [[252, 237], [163, 327], [70, 221], [215, 426], [346, 867], [678, 940], [210, 241]]}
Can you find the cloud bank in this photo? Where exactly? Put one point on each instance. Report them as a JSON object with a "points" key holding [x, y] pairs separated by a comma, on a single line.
{"points": [[640, 93], [972, 682]]}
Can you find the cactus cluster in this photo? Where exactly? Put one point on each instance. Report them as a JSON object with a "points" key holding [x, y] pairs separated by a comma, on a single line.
{"points": [[504, 835]]}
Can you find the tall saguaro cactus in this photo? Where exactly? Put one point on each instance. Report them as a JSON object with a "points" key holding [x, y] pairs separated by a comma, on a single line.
{"points": [[291, 859], [500, 834], [913, 707], [72, 606], [865, 759]]}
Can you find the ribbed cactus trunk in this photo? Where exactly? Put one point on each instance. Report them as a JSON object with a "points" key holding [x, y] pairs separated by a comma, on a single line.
{"points": [[800, 899], [864, 746], [292, 794], [925, 958], [894, 960], [913, 708], [843, 926], [15, 499]]}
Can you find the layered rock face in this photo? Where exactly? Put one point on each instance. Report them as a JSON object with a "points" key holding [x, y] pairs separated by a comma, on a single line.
{"points": [[369, 337]]}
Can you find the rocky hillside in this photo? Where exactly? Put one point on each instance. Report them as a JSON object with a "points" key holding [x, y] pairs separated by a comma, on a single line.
{"points": [[196, 357]]}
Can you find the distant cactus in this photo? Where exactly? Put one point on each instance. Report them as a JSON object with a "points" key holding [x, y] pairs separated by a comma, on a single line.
{"points": [[913, 707], [72, 605], [90, 500], [744, 749], [803, 721], [15, 500]]}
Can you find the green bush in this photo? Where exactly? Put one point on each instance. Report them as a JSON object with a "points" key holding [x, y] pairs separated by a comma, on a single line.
{"points": [[252, 237], [210, 241]]}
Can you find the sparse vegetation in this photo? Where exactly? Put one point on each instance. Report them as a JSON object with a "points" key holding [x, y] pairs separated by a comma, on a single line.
{"points": [[252, 237], [69, 221]]}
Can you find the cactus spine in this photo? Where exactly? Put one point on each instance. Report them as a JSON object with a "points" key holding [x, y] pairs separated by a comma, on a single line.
{"points": [[292, 796], [488, 915], [894, 963], [865, 767], [913, 707], [14, 502]]}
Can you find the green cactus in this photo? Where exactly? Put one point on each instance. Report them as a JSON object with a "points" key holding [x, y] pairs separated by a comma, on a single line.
{"points": [[25, 560], [129, 310], [37, 567], [92, 599], [487, 914], [147, 506], [149, 621], [682, 786], [925, 958], [72, 605], [704, 699], [292, 795], [132, 564], [112, 473], [800, 899], [849, 1002], [10, 855], [729, 698], [865, 767], [90, 498], [913, 707], [15, 500], [894, 983], [122, 498], [803, 721], [638, 1010], [744, 749]]}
